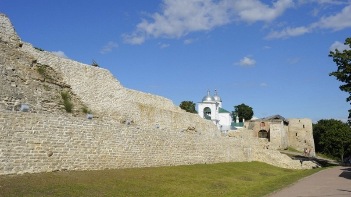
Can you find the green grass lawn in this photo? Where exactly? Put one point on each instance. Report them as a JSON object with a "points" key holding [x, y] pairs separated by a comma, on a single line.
{"points": [[224, 179]]}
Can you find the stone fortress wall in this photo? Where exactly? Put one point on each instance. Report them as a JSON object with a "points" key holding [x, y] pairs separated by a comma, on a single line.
{"points": [[301, 135], [129, 128]]}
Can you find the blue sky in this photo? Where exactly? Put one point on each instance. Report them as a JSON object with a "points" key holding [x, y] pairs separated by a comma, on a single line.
{"points": [[270, 55]]}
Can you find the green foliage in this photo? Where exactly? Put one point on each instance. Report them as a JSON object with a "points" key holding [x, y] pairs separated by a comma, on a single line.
{"points": [[188, 106], [41, 70], [224, 179], [332, 138], [67, 101], [86, 110], [243, 112], [39, 49], [291, 149], [343, 73]]}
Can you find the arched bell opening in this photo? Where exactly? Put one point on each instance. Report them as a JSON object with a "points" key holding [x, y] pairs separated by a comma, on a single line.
{"points": [[207, 113]]}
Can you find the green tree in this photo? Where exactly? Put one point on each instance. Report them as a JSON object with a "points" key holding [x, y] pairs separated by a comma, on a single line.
{"points": [[188, 106], [343, 73], [243, 112], [332, 137]]}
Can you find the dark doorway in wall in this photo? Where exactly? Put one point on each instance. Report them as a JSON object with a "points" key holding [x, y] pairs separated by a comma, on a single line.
{"points": [[263, 134]]}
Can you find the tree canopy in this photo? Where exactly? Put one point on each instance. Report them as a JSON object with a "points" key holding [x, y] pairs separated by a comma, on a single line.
{"points": [[343, 73], [243, 112], [188, 106], [333, 138]]}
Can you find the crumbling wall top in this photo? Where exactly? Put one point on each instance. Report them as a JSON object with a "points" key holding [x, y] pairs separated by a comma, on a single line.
{"points": [[7, 31]]}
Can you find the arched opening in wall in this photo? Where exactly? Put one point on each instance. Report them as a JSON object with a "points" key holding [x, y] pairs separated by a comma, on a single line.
{"points": [[207, 113], [263, 134]]}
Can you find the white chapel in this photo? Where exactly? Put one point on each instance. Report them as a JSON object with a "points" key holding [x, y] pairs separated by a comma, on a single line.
{"points": [[210, 108]]}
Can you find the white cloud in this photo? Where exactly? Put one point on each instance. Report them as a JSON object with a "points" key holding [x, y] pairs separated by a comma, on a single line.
{"points": [[60, 54], [254, 10], [188, 41], [338, 21], [163, 45], [247, 62], [340, 46], [108, 47], [134, 39], [336, 2], [178, 17], [334, 22], [288, 32]]}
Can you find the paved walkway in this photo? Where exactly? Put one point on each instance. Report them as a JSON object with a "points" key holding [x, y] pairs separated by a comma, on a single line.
{"points": [[334, 181]]}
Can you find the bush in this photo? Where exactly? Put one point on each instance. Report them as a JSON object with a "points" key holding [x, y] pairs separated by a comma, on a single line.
{"points": [[86, 110], [41, 70], [67, 101]]}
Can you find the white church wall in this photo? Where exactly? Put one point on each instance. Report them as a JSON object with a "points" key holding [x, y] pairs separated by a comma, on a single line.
{"points": [[212, 106]]}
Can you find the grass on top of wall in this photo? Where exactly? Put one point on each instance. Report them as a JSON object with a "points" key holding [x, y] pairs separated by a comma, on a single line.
{"points": [[224, 179]]}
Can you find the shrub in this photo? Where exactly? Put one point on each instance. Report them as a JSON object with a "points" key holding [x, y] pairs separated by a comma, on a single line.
{"points": [[67, 101], [39, 49], [41, 70], [86, 110]]}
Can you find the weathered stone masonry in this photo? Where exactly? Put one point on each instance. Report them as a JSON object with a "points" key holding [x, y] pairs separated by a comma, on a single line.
{"points": [[32, 142], [129, 128]]}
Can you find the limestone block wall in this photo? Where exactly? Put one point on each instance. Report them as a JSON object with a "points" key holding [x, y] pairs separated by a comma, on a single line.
{"points": [[33, 142], [97, 86], [105, 96], [273, 157], [130, 128], [278, 135], [7, 31], [301, 134]]}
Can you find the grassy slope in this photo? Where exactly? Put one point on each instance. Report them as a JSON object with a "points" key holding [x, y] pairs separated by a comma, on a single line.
{"points": [[225, 179]]}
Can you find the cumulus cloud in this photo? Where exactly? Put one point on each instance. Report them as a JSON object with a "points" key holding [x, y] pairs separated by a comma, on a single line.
{"points": [[340, 46], [338, 21], [336, 2], [288, 32], [254, 10], [108, 47], [178, 17], [60, 54], [247, 62]]}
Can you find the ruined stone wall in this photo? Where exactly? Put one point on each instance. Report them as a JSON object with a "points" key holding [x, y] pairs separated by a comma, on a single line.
{"points": [[33, 142], [278, 135], [105, 96], [129, 128], [7, 31], [301, 134], [97, 86]]}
